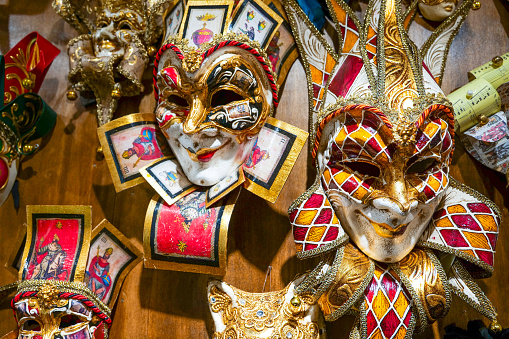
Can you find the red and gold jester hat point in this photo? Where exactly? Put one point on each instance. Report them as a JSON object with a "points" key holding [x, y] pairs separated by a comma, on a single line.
{"points": [[192, 58]]}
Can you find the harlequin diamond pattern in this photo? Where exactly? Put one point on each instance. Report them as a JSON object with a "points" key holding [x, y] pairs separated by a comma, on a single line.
{"points": [[469, 227], [314, 223], [319, 75], [388, 305]]}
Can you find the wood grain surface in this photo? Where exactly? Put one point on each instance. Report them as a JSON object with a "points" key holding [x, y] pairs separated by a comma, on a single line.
{"points": [[165, 304]]}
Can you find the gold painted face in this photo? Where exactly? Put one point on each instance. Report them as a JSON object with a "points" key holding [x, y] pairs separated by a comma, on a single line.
{"points": [[211, 117], [48, 317], [384, 192], [114, 29]]}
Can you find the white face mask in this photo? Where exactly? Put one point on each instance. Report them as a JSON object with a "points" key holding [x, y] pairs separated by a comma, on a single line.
{"points": [[212, 117]]}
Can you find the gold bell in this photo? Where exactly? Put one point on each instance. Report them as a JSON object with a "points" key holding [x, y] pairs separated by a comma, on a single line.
{"points": [[295, 301], [151, 51], [72, 95], [476, 5], [497, 61], [99, 150], [495, 326], [28, 148], [483, 120], [116, 94], [28, 84]]}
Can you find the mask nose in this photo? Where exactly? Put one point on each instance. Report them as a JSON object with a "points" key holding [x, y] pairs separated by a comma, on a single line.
{"points": [[195, 116]]}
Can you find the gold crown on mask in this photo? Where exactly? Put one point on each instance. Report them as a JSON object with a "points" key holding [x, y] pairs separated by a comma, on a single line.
{"points": [[138, 6]]}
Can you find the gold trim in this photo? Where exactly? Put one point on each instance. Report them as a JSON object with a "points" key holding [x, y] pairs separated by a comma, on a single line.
{"points": [[105, 224], [174, 266], [86, 211], [228, 14], [281, 177], [239, 182], [101, 133], [18, 244]]}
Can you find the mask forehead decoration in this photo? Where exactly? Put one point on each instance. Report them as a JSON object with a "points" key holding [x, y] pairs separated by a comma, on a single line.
{"points": [[24, 116], [216, 86], [113, 49], [61, 293], [279, 314], [383, 139]]}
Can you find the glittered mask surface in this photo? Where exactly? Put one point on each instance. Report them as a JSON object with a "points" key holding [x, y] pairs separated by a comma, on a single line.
{"points": [[211, 115], [279, 314], [384, 193], [48, 316]]}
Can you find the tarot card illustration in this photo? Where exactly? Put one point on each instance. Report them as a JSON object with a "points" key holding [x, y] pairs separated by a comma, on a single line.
{"points": [[173, 19], [187, 236], [130, 143], [272, 158], [168, 179], [225, 186], [111, 258], [257, 21], [205, 19], [58, 239]]}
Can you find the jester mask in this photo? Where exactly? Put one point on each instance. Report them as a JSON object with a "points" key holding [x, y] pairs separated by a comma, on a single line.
{"points": [[383, 199], [212, 104], [110, 55]]}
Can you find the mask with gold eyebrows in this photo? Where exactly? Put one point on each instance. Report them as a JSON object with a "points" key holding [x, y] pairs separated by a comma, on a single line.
{"points": [[213, 104], [383, 139]]}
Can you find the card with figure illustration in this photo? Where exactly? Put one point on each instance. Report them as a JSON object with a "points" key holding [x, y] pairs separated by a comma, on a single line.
{"points": [[57, 243], [173, 19], [256, 20], [225, 186], [204, 19], [272, 158], [167, 178], [112, 256], [282, 49], [187, 236], [130, 143]]}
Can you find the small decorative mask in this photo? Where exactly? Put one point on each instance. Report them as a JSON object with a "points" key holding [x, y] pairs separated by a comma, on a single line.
{"points": [[437, 10], [24, 116], [110, 55], [61, 295], [383, 138], [280, 314]]}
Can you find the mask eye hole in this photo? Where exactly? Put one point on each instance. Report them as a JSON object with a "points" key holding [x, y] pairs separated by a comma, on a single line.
{"points": [[31, 325], [224, 97], [102, 24], [363, 168], [69, 320], [421, 166], [124, 25], [177, 100]]}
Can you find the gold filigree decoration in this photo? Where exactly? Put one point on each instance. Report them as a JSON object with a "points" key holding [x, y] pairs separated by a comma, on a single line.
{"points": [[21, 62], [48, 296], [400, 86], [262, 315], [192, 61]]}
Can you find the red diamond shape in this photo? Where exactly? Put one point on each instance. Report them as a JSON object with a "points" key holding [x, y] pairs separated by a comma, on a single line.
{"points": [[390, 324]]}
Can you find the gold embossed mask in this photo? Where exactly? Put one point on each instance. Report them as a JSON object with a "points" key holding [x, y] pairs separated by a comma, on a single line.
{"points": [[212, 109], [279, 314]]}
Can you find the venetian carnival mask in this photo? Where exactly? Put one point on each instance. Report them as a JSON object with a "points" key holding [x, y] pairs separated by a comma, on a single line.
{"points": [[24, 116], [279, 314], [393, 229], [62, 294], [437, 10], [110, 55], [211, 114]]}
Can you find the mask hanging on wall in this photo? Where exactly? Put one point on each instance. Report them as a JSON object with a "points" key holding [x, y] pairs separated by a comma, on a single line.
{"points": [[60, 292], [112, 52], [383, 138], [24, 116], [216, 89], [279, 314]]}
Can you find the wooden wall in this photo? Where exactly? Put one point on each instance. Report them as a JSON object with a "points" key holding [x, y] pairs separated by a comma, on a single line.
{"points": [[165, 304]]}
